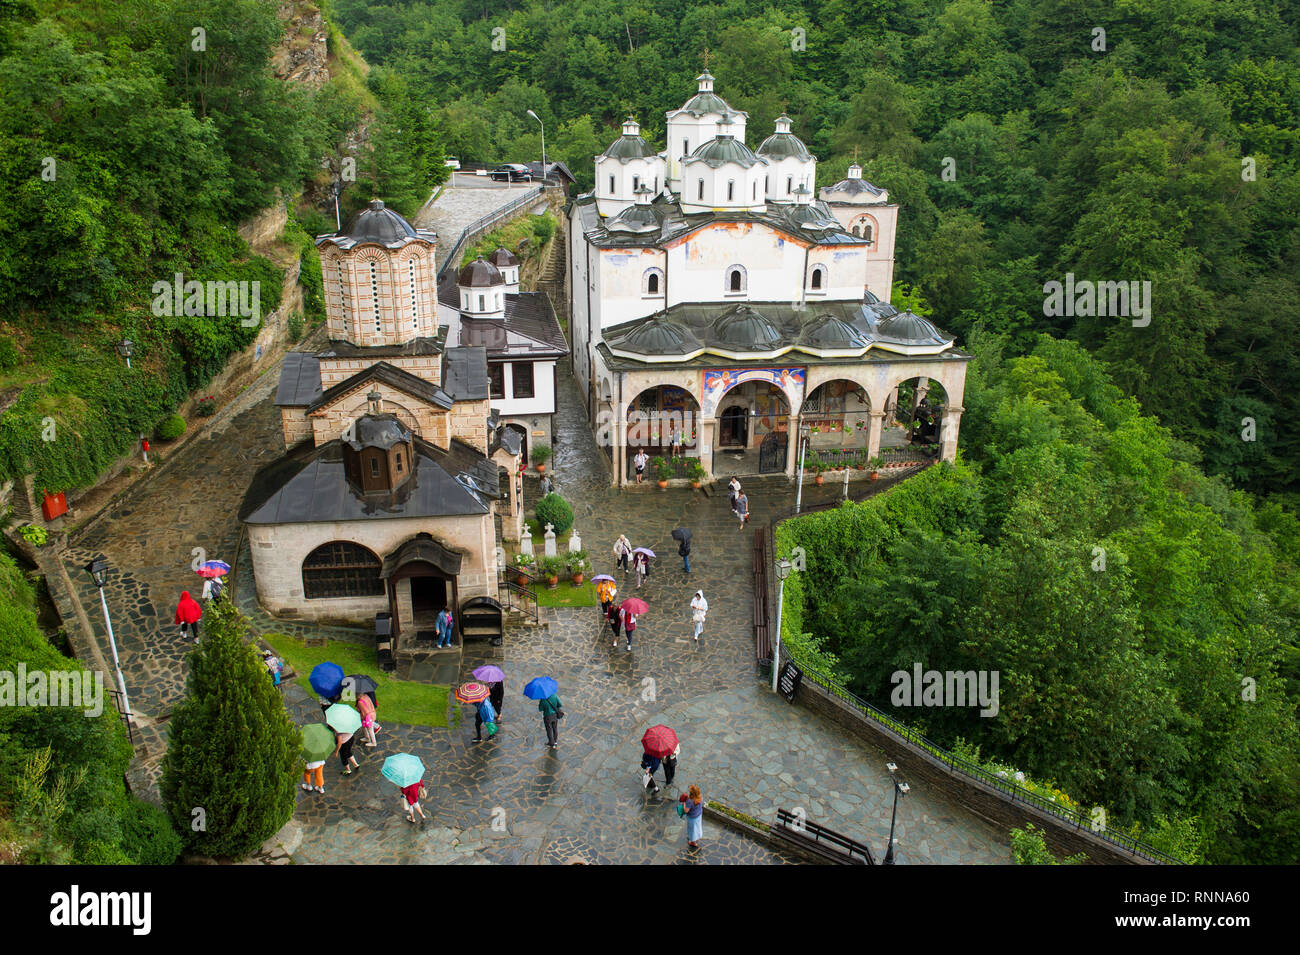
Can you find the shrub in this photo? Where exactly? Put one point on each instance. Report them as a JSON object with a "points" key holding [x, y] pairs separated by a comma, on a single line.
{"points": [[232, 751], [207, 406], [170, 428], [1029, 847], [10, 357], [543, 229], [295, 327], [555, 510], [541, 453], [662, 468], [148, 836], [36, 536]]}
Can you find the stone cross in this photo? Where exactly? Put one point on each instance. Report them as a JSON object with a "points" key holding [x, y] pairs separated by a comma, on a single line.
{"points": [[575, 542], [526, 541], [550, 540]]}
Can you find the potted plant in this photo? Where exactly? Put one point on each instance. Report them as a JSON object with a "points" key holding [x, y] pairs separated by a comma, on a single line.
{"points": [[818, 468], [525, 563], [874, 464], [663, 469], [697, 473], [577, 560], [541, 454], [551, 567]]}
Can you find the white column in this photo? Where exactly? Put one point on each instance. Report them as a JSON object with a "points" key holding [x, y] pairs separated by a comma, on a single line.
{"points": [[874, 430], [949, 426]]}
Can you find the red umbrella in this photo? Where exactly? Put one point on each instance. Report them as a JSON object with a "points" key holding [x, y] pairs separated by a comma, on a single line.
{"points": [[472, 693], [659, 741], [635, 605]]}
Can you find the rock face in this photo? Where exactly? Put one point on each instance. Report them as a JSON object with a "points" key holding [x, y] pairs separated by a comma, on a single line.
{"points": [[302, 55]]}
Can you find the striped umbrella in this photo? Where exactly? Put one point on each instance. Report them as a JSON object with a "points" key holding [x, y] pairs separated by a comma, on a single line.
{"points": [[472, 693], [659, 741]]}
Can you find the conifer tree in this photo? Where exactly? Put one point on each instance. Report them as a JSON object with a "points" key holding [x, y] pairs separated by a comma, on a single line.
{"points": [[229, 772]]}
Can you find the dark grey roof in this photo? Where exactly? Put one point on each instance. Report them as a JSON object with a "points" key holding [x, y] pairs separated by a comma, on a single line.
{"points": [[299, 380], [660, 336], [377, 431], [309, 486], [422, 548], [503, 258], [783, 146], [910, 328], [507, 438], [555, 170], [629, 146], [409, 349], [828, 331], [723, 149], [480, 274], [378, 225], [742, 327], [853, 187], [464, 373], [638, 217], [812, 216], [390, 375]]}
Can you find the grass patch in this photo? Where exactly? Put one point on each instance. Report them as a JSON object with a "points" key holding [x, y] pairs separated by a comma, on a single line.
{"points": [[567, 595], [400, 701], [737, 815]]}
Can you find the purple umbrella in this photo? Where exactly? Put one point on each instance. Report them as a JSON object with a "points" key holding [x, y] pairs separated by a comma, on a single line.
{"points": [[489, 673], [599, 577], [644, 550]]}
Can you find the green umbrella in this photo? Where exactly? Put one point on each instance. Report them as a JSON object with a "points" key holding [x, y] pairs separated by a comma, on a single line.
{"points": [[403, 769], [317, 742], [343, 718]]}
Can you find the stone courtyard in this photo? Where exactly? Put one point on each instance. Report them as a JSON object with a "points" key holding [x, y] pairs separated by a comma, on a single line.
{"points": [[511, 799]]}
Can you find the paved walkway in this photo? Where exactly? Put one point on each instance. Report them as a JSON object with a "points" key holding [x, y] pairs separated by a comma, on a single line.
{"points": [[512, 800], [463, 200]]}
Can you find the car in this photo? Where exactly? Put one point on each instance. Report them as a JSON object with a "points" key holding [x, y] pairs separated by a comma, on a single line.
{"points": [[511, 172], [451, 162]]}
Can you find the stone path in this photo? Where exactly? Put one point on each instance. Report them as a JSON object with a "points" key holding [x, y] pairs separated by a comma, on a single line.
{"points": [[510, 799], [463, 200]]}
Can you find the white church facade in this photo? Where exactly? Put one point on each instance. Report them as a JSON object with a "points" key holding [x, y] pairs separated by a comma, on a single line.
{"points": [[714, 295]]}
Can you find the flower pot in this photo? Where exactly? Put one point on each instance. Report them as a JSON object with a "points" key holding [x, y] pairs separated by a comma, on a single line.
{"points": [[819, 480], [541, 468], [696, 484], [663, 484], [552, 582], [521, 580], [874, 475], [577, 579]]}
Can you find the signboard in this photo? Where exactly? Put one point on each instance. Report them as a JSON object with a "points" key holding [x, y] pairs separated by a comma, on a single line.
{"points": [[791, 677]]}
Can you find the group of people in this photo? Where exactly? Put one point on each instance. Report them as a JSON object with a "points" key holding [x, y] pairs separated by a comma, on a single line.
{"points": [[313, 776], [739, 501], [690, 804]]}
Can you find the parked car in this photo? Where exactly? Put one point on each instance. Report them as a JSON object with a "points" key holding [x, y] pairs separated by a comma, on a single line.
{"points": [[511, 172], [451, 162]]}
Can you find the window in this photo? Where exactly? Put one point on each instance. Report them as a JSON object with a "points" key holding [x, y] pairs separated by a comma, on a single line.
{"points": [[736, 279], [636, 183], [611, 185], [652, 282], [374, 467], [343, 293], [866, 231], [755, 190], [656, 185], [731, 189], [522, 374], [399, 462], [497, 375], [734, 282], [481, 307], [686, 147], [857, 230], [415, 298], [818, 277], [767, 185], [789, 185], [341, 569], [700, 192], [374, 294]]}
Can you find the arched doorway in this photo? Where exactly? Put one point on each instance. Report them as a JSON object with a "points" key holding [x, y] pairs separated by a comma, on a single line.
{"points": [[733, 427], [914, 416], [664, 421], [753, 419]]}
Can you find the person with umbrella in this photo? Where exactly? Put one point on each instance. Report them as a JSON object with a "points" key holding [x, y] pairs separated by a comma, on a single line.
{"points": [[477, 695], [683, 535], [317, 746], [407, 773], [670, 765], [605, 591], [212, 571], [327, 680], [345, 721], [649, 765], [657, 743], [615, 614], [495, 679], [188, 613], [641, 563], [699, 608], [628, 611], [543, 689]]}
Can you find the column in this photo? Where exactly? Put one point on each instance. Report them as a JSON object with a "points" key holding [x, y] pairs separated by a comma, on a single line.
{"points": [[874, 429], [708, 444], [791, 445], [949, 427], [619, 437]]}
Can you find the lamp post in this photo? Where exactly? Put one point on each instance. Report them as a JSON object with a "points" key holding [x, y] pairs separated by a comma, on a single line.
{"points": [[900, 789], [543, 125], [335, 189], [98, 570], [124, 348], [782, 572], [803, 448]]}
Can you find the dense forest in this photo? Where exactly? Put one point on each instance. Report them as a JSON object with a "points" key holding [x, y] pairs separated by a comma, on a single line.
{"points": [[1163, 151]]}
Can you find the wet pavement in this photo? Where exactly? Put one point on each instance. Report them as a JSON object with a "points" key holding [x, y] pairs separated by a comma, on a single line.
{"points": [[511, 799]]}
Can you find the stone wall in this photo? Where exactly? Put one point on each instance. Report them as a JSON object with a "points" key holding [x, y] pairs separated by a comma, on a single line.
{"points": [[920, 768]]}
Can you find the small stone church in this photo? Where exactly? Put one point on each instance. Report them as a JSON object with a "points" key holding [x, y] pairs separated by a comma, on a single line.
{"points": [[397, 470]]}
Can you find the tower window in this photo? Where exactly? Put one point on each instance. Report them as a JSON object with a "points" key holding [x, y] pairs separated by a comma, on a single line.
{"points": [[636, 183], [731, 189], [818, 277], [736, 279], [611, 186], [755, 191], [686, 147], [481, 306], [789, 185], [415, 297], [699, 194], [374, 294]]}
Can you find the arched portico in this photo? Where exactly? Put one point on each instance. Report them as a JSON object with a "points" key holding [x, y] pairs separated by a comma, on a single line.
{"points": [[663, 421], [752, 425]]}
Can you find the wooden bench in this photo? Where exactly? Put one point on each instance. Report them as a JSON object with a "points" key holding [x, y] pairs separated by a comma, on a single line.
{"points": [[817, 839]]}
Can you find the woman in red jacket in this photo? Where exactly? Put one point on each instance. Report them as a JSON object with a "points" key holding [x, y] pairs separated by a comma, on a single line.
{"points": [[188, 612]]}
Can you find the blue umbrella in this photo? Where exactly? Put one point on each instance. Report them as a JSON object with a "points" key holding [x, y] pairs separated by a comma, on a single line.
{"points": [[327, 679], [403, 769], [541, 688]]}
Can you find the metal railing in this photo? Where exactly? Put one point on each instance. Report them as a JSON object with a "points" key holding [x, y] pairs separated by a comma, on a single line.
{"points": [[121, 711], [800, 828], [482, 224], [907, 736], [521, 598]]}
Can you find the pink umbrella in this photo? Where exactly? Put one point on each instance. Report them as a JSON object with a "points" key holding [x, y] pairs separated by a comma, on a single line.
{"points": [[599, 577], [644, 550], [635, 605]]}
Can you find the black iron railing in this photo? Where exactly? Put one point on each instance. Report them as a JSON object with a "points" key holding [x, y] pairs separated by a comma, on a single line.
{"points": [[521, 598], [481, 225]]}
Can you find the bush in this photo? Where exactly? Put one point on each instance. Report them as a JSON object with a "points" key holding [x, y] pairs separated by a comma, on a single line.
{"points": [[10, 357], [148, 837], [232, 751], [207, 406], [543, 229], [295, 327], [541, 453], [555, 510], [170, 428]]}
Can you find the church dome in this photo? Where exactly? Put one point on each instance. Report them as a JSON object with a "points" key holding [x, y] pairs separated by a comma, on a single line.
{"points": [[658, 336], [725, 149], [706, 101], [503, 258], [377, 431], [745, 328], [784, 144], [635, 218], [630, 145], [378, 223], [827, 331], [909, 327], [480, 274]]}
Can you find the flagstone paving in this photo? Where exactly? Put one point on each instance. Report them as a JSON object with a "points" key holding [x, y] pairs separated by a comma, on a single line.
{"points": [[511, 799]]}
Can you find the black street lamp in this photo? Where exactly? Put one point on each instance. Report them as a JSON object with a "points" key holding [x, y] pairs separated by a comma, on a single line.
{"points": [[98, 570], [900, 789], [124, 348]]}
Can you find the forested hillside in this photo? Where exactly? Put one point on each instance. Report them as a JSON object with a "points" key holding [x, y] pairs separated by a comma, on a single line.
{"points": [[1115, 158]]}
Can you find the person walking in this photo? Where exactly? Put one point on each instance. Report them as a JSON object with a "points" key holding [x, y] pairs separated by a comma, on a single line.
{"points": [[188, 613], [742, 509], [442, 624], [605, 592], [367, 707], [733, 491], [484, 715], [414, 793], [615, 621], [552, 712], [622, 551], [497, 694], [641, 564], [691, 808], [628, 619], [639, 462], [684, 549], [699, 608], [344, 751], [544, 486], [314, 774], [213, 588], [649, 765], [670, 765]]}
